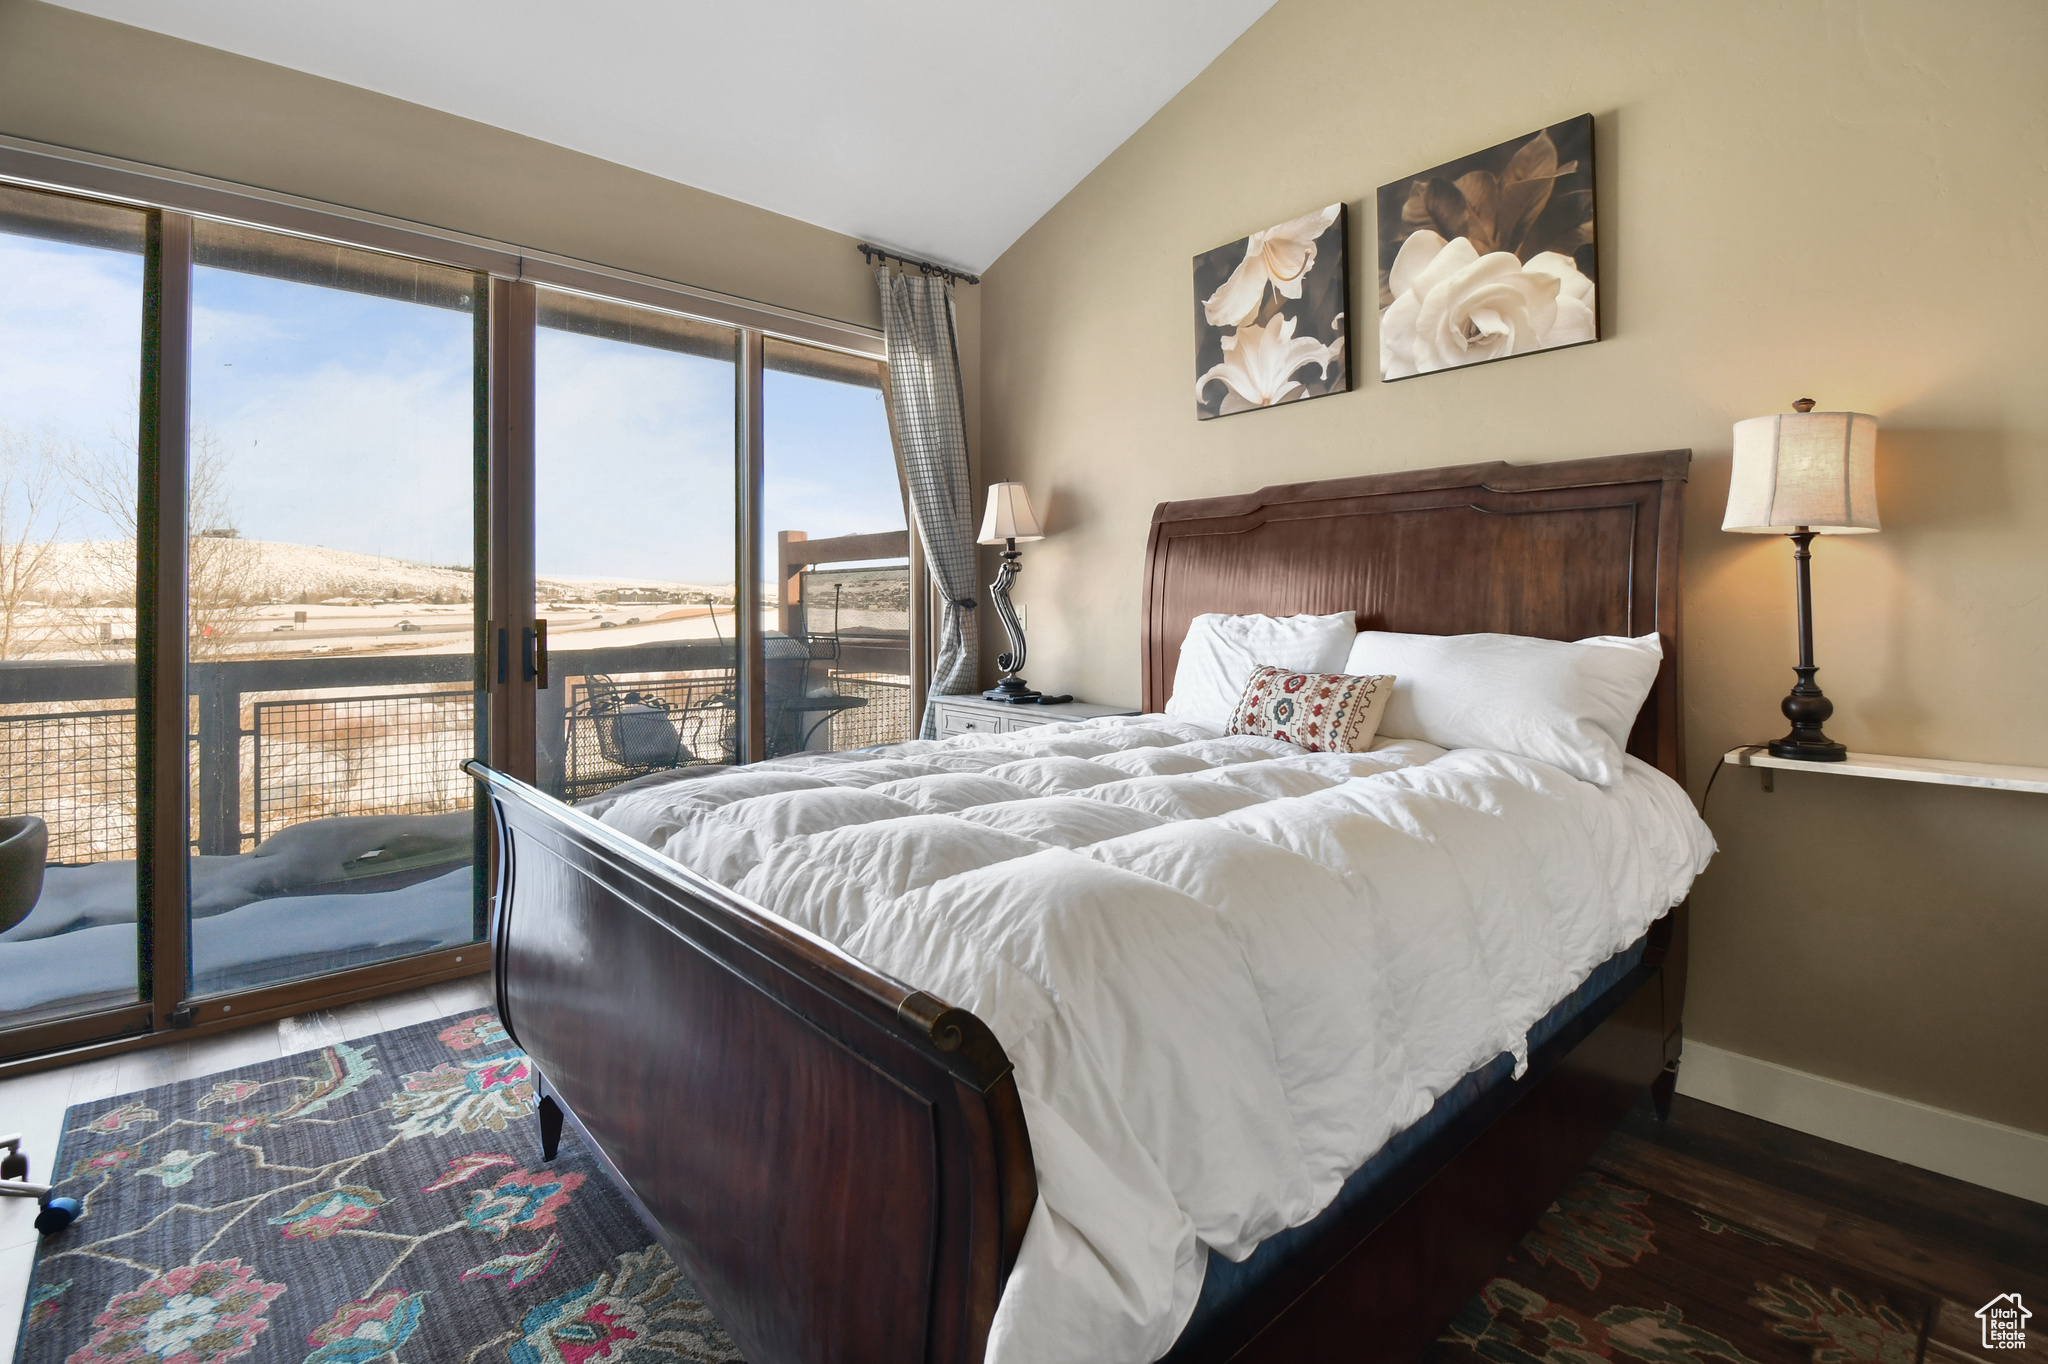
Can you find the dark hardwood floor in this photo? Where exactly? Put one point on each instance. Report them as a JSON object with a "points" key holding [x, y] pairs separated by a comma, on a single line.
{"points": [[1959, 1243]]}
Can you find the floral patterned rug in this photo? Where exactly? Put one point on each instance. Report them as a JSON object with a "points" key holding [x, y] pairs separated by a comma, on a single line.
{"points": [[382, 1199], [1617, 1273]]}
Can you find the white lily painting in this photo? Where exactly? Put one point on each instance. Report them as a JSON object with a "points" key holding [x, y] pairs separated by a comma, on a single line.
{"points": [[1490, 256], [1269, 316]]}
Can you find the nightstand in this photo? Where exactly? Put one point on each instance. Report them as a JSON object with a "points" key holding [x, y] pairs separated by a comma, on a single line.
{"points": [[972, 715]]}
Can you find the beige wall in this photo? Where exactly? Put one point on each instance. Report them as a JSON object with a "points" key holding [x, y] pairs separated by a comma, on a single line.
{"points": [[88, 84], [1840, 200]]}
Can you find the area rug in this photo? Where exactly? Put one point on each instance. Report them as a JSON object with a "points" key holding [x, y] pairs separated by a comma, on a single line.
{"points": [[1618, 1273], [382, 1199]]}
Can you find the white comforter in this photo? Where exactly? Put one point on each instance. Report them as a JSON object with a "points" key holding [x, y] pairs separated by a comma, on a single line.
{"points": [[1226, 970]]}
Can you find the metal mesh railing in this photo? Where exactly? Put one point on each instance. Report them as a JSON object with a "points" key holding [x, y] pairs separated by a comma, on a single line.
{"points": [[885, 719], [856, 623], [297, 756], [75, 769], [603, 741], [381, 755]]}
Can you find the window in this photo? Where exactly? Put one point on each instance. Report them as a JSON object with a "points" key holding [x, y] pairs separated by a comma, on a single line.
{"points": [[332, 608], [635, 561], [387, 471], [835, 556], [71, 289]]}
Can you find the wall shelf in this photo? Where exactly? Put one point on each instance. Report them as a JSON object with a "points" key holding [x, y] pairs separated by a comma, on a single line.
{"points": [[1939, 771]]}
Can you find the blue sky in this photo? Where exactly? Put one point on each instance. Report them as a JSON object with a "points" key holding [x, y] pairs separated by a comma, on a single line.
{"points": [[829, 468], [70, 348], [345, 421]]}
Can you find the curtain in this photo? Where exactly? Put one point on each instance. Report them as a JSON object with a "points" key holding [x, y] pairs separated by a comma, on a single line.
{"points": [[928, 413]]}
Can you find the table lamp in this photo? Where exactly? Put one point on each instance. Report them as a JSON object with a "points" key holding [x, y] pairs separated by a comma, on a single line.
{"points": [[1803, 474], [1009, 519]]}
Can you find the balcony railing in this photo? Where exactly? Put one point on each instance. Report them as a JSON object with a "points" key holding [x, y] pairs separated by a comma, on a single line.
{"points": [[76, 769], [279, 741]]}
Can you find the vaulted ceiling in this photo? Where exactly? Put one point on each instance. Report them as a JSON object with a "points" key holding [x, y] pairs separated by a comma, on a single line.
{"points": [[943, 128]]}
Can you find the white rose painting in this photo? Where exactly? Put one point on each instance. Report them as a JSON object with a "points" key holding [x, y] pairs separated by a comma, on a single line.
{"points": [[1491, 255], [1269, 316]]}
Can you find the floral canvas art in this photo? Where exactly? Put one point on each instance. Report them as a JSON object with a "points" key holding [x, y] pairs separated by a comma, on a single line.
{"points": [[1491, 255], [1269, 316]]}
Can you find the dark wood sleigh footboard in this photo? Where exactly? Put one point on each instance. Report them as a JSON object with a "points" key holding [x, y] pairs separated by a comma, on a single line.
{"points": [[838, 1162], [841, 1165]]}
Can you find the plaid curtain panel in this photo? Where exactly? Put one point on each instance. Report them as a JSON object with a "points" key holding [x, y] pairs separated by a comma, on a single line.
{"points": [[928, 410]]}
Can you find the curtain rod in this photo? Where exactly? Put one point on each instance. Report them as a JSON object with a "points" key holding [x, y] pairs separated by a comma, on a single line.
{"points": [[870, 252]]}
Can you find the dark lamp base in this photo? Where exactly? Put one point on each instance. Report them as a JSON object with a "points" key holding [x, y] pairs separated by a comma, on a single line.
{"points": [[1820, 750], [1013, 690], [1806, 707], [1808, 710]]}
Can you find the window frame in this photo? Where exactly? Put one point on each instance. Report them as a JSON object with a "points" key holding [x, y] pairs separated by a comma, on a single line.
{"points": [[37, 165], [505, 335]]}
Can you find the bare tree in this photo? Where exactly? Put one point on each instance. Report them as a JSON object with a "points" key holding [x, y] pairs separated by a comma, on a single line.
{"points": [[31, 522], [224, 572]]}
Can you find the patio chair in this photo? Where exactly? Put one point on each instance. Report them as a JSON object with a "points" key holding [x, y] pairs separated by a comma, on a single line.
{"points": [[642, 729], [634, 728], [799, 713]]}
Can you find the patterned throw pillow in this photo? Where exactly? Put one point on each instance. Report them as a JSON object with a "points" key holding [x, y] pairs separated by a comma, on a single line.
{"points": [[1321, 712]]}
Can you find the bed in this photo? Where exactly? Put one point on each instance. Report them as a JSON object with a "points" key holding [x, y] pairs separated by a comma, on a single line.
{"points": [[843, 1163]]}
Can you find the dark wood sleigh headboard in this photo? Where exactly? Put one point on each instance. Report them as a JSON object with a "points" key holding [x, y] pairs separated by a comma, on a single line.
{"points": [[1560, 551]]}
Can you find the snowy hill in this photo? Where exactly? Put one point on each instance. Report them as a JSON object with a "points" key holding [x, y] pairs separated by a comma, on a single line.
{"points": [[90, 572]]}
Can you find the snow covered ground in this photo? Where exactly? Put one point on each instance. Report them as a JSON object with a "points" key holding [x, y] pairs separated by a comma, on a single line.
{"points": [[105, 569], [320, 896], [257, 944], [80, 603]]}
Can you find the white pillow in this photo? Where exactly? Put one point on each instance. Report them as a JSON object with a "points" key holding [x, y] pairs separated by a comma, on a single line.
{"points": [[1570, 705], [1217, 658]]}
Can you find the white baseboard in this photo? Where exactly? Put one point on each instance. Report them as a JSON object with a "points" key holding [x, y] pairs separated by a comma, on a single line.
{"points": [[2008, 1159]]}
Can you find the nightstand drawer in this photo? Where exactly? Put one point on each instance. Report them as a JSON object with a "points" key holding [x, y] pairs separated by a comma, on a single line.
{"points": [[975, 715], [956, 721]]}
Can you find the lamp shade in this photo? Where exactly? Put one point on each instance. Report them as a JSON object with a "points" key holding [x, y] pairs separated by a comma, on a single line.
{"points": [[1009, 515], [1816, 470]]}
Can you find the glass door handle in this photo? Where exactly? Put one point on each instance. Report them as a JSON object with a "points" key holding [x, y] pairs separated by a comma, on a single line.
{"points": [[536, 646]]}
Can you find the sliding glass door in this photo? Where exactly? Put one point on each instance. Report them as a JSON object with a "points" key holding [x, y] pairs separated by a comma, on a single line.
{"points": [[240, 520], [835, 598], [71, 317], [635, 566], [331, 599], [289, 530]]}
